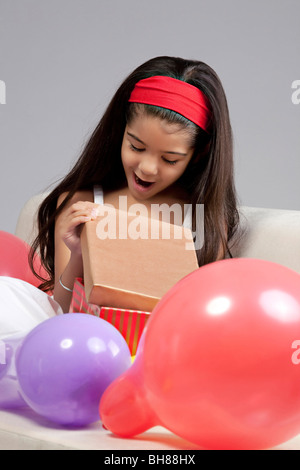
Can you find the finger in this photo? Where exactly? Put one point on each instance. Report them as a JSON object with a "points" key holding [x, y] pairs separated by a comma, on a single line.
{"points": [[77, 220], [83, 205], [84, 210]]}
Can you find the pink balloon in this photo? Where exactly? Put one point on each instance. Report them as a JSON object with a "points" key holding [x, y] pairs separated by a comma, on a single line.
{"points": [[14, 259], [214, 365]]}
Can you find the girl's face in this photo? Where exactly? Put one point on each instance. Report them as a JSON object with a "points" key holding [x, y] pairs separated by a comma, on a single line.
{"points": [[154, 154]]}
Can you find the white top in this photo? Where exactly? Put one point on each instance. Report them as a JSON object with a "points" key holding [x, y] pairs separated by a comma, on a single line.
{"points": [[98, 195]]}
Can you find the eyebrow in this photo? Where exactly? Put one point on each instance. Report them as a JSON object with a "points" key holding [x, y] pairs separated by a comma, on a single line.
{"points": [[143, 143]]}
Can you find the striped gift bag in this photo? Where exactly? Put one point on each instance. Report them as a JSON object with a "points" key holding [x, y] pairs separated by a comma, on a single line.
{"points": [[130, 323]]}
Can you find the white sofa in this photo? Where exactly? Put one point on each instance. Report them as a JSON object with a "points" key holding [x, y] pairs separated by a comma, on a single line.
{"points": [[265, 233], [270, 234]]}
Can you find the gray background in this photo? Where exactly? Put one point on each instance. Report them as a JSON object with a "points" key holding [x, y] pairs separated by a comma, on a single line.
{"points": [[61, 61]]}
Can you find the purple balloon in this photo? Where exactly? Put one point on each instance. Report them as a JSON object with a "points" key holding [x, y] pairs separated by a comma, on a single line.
{"points": [[65, 364], [9, 388]]}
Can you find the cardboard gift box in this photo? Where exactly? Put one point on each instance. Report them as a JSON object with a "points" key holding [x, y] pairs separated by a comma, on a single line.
{"points": [[131, 261], [130, 323]]}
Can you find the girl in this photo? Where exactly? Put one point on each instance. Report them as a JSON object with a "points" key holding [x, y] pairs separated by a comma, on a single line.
{"points": [[165, 137]]}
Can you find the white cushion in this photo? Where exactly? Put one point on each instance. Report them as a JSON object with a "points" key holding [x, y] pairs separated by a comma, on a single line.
{"points": [[270, 234]]}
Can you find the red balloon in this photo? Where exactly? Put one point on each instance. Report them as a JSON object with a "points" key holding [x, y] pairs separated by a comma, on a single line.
{"points": [[14, 259], [214, 365]]}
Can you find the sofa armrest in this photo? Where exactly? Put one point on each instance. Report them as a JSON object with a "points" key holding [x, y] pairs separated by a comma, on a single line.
{"points": [[26, 227]]}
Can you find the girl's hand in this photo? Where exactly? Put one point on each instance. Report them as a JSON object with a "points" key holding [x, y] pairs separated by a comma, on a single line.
{"points": [[70, 222]]}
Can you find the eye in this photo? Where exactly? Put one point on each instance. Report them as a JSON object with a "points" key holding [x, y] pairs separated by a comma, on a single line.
{"points": [[136, 149], [170, 162]]}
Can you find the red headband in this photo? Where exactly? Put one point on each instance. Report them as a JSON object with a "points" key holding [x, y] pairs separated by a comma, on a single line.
{"points": [[176, 95]]}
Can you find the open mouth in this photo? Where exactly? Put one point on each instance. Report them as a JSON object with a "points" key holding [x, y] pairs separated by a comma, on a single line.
{"points": [[140, 182]]}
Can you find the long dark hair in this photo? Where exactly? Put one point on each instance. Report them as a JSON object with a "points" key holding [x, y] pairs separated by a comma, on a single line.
{"points": [[208, 178]]}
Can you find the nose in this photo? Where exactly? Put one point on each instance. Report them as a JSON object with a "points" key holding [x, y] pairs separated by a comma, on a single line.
{"points": [[148, 166]]}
